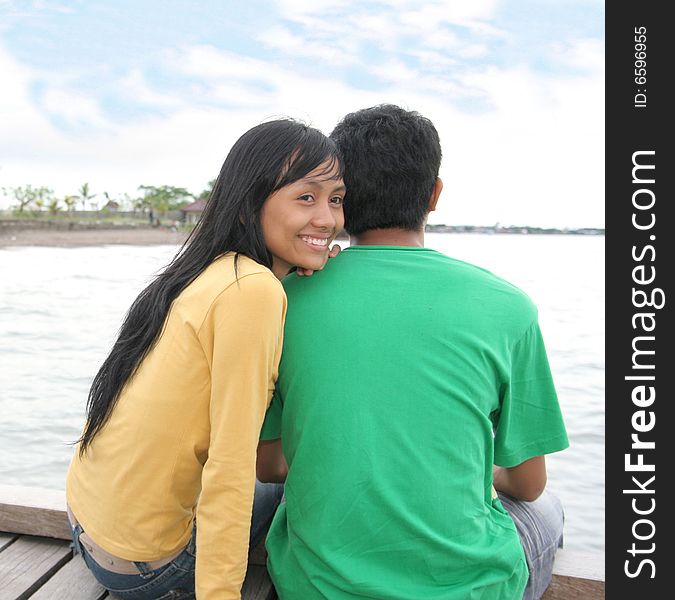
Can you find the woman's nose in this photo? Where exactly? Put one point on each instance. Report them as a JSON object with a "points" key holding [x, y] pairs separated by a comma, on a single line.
{"points": [[324, 216]]}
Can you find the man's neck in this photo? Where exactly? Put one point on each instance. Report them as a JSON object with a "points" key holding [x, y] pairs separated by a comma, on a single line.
{"points": [[389, 237]]}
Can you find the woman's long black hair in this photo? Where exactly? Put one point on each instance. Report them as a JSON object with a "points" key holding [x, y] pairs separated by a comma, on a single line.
{"points": [[263, 160]]}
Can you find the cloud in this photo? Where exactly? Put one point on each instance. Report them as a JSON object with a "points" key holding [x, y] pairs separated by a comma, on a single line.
{"points": [[521, 146], [58, 7], [470, 15], [581, 54], [135, 85], [335, 31], [185, 146], [542, 145], [75, 109], [208, 62], [23, 127], [281, 38]]}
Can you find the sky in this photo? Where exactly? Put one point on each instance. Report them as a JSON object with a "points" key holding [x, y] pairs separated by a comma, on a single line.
{"points": [[125, 93]]}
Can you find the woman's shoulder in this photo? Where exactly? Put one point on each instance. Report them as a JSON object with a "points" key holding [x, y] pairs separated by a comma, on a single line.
{"points": [[242, 279], [230, 269]]}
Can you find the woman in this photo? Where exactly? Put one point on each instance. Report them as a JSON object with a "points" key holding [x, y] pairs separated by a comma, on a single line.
{"points": [[164, 475]]}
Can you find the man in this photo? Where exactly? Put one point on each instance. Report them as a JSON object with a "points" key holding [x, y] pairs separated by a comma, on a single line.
{"points": [[436, 372]]}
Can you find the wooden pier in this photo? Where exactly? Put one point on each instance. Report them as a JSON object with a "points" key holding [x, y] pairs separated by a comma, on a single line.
{"points": [[36, 560]]}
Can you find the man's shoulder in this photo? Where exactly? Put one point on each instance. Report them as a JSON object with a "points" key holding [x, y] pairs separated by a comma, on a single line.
{"points": [[487, 277], [293, 282], [423, 270], [483, 290], [476, 274]]}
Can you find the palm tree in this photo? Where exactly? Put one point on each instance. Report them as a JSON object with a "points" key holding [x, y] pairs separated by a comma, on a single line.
{"points": [[86, 195], [54, 206], [70, 201]]}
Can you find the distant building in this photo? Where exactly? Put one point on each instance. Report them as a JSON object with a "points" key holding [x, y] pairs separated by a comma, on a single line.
{"points": [[112, 206], [192, 212]]}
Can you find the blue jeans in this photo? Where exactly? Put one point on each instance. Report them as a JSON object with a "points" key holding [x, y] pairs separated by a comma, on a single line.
{"points": [[176, 579], [540, 527]]}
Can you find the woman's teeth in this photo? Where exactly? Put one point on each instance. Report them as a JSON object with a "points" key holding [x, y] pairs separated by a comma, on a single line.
{"points": [[314, 241]]}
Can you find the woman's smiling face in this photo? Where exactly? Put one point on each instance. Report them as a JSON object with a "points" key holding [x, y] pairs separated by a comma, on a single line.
{"points": [[300, 220]]}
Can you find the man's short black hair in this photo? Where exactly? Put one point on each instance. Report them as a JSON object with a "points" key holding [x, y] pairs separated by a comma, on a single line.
{"points": [[391, 159]]}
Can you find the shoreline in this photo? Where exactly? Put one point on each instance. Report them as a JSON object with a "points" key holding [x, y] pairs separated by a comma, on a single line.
{"points": [[76, 238], [62, 237]]}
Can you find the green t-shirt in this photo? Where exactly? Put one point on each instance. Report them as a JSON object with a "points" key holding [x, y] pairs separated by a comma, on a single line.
{"points": [[405, 375]]}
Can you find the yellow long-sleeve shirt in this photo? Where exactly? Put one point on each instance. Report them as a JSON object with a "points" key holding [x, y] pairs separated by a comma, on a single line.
{"points": [[182, 439]]}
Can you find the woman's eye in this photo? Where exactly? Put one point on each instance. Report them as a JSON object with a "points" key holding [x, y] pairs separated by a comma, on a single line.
{"points": [[307, 197], [337, 200]]}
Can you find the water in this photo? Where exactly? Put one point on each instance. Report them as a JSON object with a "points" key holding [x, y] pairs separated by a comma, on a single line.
{"points": [[60, 309]]}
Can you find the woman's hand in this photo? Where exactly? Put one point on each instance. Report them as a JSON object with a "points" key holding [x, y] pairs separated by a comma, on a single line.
{"points": [[332, 253]]}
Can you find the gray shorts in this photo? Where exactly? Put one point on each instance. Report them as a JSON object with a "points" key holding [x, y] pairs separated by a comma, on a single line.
{"points": [[540, 527]]}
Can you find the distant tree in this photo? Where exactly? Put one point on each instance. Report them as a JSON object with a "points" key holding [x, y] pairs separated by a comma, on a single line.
{"points": [[70, 202], [54, 206], [86, 195], [107, 205], [28, 195], [163, 198], [207, 191], [126, 202], [43, 198], [24, 196], [140, 203]]}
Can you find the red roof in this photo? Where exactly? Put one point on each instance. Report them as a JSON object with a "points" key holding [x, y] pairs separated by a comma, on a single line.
{"points": [[196, 206]]}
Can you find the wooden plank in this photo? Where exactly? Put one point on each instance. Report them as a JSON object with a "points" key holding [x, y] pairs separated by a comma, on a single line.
{"points": [[73, 580], [6, 539], [34, 511], [28, 563], [577, 576], [42, 512], [582, 565], [570, 588]]}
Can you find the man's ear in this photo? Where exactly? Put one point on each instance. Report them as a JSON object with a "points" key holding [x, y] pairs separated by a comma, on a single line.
{"points": [[435, 193]]}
